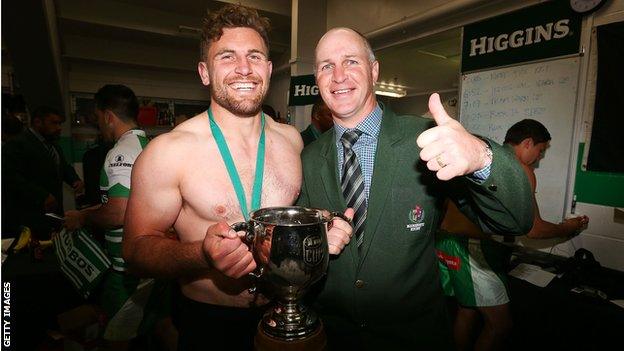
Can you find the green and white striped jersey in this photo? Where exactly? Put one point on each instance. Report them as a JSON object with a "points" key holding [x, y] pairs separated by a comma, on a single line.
{"points": [[115, 182]]}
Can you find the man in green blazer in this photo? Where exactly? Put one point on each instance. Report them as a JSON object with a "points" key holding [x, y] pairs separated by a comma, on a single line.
{"points": [[383, 291], [33, 171]]}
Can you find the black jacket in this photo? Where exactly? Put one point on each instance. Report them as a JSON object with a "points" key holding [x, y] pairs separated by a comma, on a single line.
{"points": [[29, 175]]}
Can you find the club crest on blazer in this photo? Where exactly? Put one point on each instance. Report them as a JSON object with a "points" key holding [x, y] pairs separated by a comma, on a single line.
{"points": [[416, 216]]}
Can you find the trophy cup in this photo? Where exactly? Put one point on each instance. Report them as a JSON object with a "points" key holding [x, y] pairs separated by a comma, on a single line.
{"points": [[289, 245]]}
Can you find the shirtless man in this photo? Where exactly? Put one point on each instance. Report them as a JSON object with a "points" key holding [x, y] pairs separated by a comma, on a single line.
{"points": [[473, 266], [181, 181], [530, 139]]}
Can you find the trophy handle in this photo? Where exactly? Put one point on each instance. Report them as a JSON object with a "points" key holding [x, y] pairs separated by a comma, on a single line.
{"points": [[337, 214], [249, 234], [248, 239], [341, 215]]}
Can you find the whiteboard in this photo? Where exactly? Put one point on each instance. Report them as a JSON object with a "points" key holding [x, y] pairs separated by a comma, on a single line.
{"points": [[493, 100]]}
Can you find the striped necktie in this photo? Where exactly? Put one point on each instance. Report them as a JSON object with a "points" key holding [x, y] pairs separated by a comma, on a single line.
{"points": [[352, 183], [52, 152]]}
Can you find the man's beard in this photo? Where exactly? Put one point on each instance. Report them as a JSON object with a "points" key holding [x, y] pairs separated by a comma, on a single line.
{"points": [[247, 107]]}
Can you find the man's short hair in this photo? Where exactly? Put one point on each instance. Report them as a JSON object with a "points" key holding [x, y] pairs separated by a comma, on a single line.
{"points": [[42, 112], [527, 128], [120, 100], [231, 16], [367, 46]]}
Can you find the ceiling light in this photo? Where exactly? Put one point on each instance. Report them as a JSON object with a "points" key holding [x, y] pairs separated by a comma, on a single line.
{"points": [[432, 54], [391, 90]]}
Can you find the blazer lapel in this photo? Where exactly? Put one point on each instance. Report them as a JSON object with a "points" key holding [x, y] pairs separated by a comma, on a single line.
{"points": [[329, 175], [333, 191], [383, 176]]}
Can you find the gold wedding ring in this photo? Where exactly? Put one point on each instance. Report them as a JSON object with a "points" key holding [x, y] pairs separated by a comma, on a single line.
{"points": [[439, 160]]}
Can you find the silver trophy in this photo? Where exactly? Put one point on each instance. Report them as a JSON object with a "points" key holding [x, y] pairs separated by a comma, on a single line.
{"points": [[289, 245]]}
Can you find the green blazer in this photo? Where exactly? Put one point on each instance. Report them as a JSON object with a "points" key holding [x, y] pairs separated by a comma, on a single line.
{"points": [[29, 174], [309, 135], [390, 295]]}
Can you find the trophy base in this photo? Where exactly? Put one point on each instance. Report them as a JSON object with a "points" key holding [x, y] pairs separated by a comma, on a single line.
{"points": [[317, 341]]}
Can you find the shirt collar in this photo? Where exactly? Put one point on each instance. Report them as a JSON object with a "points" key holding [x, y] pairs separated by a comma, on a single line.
{"points": [[369, 125], [134, 131]]}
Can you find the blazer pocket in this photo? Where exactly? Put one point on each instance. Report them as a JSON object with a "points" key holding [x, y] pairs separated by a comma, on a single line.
{"points": [[412, 215]]}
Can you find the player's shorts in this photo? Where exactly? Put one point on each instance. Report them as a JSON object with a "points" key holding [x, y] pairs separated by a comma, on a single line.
{"points": [[473, 270], [203, 326]]}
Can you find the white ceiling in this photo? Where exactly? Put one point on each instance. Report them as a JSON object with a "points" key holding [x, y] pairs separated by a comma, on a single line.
{"points": [[425, 65], [155, 34], [159, 34]]}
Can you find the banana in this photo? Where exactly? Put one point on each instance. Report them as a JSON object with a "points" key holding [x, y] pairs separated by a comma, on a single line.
{"points": [[23, 241], [45, 243]]}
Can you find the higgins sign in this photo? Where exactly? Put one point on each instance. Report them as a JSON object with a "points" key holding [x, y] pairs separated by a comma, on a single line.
{"points": [[303, 90], [547, 30]]}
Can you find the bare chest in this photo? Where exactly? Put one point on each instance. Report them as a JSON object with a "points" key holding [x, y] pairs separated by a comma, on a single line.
{"points": [[209, 194]]}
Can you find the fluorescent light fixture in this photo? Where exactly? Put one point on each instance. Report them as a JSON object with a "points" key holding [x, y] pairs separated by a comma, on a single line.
{"points": [[189, 30], [390, 93], [432, 54], [391, 90]]}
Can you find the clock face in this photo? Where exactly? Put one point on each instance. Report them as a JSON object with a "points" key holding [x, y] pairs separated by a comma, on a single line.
{"points": [[586, 6]]}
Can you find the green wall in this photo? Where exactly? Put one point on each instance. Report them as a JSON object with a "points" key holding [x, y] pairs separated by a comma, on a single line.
{"points": [[600, 188]]}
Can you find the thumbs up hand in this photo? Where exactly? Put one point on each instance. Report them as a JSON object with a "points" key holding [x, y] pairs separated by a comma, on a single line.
{"points": [[448, 148]]}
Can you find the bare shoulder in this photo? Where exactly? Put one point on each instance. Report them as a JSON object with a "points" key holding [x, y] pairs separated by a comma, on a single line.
{"points": [[530, 174], [287, 133], [173, 147]]}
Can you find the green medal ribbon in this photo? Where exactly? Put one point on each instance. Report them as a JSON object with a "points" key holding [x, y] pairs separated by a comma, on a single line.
{"points": [[234, 177]]}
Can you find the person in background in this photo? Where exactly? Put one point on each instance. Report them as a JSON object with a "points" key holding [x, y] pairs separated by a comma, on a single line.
{"points": [[13, 116], [268, 110], [11, 126], [92, 163], [473, 269], [383, 290], [474, 266], [179, 119], [199, 179], [33, 171], [116, 108], [530, 139], [320, 122]]}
